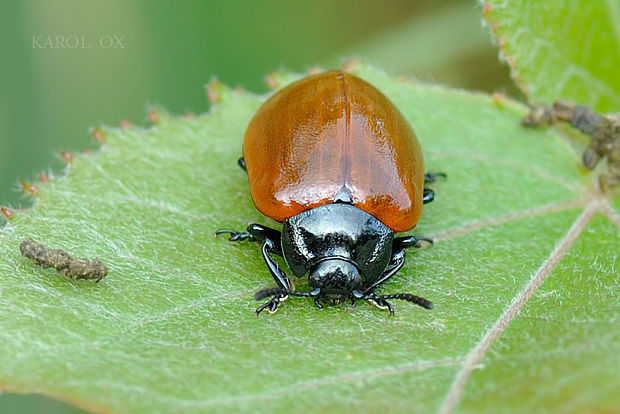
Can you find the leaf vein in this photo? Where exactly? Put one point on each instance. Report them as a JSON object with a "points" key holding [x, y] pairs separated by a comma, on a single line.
{"points": [[478, 352], [312, 384], [496, 221]]}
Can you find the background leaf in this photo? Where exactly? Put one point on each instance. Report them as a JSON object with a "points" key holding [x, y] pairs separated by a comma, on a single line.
{"points": [[172, 329], [568, 49], [66, 90]]}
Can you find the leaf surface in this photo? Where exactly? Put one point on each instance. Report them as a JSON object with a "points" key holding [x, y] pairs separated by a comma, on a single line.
{"points": [[172, 329]]}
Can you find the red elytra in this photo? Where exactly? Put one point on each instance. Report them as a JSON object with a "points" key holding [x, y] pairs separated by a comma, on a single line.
{"points": [[332, 135]]}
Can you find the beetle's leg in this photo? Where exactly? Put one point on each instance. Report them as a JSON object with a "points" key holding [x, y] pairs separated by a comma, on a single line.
{"points": [[241, 163], [272, 305], [431, 177], [397, 262], [406, 242], [234, 235], [271, 244], [256, 232], [399, 245], [429, 196], [262, 233], [381, 303], [278, 274]]}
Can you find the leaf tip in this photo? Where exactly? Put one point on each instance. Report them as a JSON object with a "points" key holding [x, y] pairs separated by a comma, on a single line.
{"points": [[239, 90], [352, 65], [498, 98], [214, 90], [486, 9], [315, 70], [154, 115], [7, 213], [125, 124], [66, 156], [98, 134], [274, 80], [29, 188], [525, 88]]}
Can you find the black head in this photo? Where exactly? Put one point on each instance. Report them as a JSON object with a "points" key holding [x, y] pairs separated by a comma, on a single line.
{"points": [[335, 277], [339, 246]]}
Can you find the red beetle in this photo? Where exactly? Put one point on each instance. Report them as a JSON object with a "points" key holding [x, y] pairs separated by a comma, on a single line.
{"points": [[333, 159]]}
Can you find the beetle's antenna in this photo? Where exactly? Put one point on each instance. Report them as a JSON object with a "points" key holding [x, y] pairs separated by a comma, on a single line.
{"points": [[265, 293], [427, 304]]}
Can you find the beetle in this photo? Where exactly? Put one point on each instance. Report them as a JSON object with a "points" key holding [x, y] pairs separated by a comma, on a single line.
{"points": [[334, 160]]}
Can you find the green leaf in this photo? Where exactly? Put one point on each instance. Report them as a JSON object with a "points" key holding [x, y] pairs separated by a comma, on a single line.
{"points": [[568, 49], [172, 329]]}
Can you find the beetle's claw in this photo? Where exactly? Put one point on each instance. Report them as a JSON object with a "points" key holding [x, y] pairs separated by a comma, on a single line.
{"points": [[382, 304], [428, 196], [234, 235], [261, 308], [272, 305], [431, 177], [318, 303]]}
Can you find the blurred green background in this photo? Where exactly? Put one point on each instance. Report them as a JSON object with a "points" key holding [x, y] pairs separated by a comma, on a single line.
{"points": [[132, 54]]}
